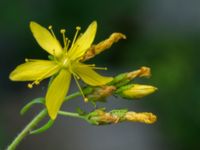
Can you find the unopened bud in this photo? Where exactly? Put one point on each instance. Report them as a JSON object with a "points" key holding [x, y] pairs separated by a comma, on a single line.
{"points": [[132, 91]]}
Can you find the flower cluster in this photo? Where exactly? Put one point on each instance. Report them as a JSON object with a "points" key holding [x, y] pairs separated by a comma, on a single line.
{"points": [[67, 60]]}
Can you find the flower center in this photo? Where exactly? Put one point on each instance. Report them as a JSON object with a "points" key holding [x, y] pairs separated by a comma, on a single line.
{"points": [[66, 63]]}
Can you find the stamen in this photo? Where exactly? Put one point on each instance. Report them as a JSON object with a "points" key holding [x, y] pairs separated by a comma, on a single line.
{"points": [[85, 98], [38, 80], [51, 29], [76, 76], [68, 42], [93, 67], [77, 30], [62, 31], [100, 68], [31, 60]]}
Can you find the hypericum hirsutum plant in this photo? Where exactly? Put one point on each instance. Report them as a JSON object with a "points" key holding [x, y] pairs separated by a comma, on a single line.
{"points": [[69, 60]]}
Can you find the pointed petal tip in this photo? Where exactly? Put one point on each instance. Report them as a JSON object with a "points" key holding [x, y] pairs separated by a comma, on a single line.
{"points": [[51, 113], [32, 23], [94, 23]]}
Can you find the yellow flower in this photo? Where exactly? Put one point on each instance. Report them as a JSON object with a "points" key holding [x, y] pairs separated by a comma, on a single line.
{"points": [[66, 62]]}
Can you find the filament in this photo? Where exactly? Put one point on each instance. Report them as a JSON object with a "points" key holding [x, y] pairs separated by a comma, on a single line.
{"points": [[77, 30], [85, 98], [51, 30]]}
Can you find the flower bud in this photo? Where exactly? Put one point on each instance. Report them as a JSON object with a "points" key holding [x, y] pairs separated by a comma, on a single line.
{"points": [[132, 91]]}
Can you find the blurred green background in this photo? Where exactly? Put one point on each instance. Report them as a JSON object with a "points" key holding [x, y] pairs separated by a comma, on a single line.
{"points": [[164, 35]]}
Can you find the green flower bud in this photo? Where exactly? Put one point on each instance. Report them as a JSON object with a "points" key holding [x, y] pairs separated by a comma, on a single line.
{"points": [[132, 91]]}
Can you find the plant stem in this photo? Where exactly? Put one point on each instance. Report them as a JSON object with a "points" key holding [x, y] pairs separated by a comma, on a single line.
{"points": [[37, 119], [70, 114], [71, 96], [27, 129]]}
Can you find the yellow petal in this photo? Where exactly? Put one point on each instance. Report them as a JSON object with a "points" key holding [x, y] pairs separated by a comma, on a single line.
{"points": [[56, 92], [45, 39], [34, 70], [89, 76], [84, 42]]}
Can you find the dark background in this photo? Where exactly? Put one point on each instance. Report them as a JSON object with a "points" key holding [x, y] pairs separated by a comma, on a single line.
{"points": [[163, 35]]}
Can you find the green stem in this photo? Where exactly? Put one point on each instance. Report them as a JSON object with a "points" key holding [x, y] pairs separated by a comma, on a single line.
{"points": [[27, 129], [73, 95], [36, 120], [70, 114]]}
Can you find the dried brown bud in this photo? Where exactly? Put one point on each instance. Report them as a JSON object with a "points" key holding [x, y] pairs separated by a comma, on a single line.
{"points": [[142, 72], [101, 117], [100, 47], [143, 117], [100, 93]]}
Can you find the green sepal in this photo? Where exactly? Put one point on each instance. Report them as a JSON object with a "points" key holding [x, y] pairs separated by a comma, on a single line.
{"points": [[87, 90], [40, 100], [80, 111], [122, 83], [118, 79], [93, 114], [43, 128], [118, 91], [119, 112]]}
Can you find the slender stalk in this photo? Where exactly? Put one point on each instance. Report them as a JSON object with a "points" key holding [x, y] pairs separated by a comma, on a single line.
{"points": [[70, 114], [27, 129], [71, 96], [36, 120]]}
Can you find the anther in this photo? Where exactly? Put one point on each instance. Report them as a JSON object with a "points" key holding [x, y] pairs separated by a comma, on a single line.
{"points": [[85, 99], [50, 27], [78, 28], [26, 60], [62, 31], [30, 85]]}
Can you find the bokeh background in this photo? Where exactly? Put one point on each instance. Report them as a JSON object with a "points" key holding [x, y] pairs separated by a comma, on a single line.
{"points": [[164, 35]]}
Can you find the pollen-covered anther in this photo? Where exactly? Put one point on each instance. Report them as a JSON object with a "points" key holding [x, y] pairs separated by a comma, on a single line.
{"points": [[78, 28], [26, 60], [50, 27], [85, 99], [30, 85], [62, 31]]}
